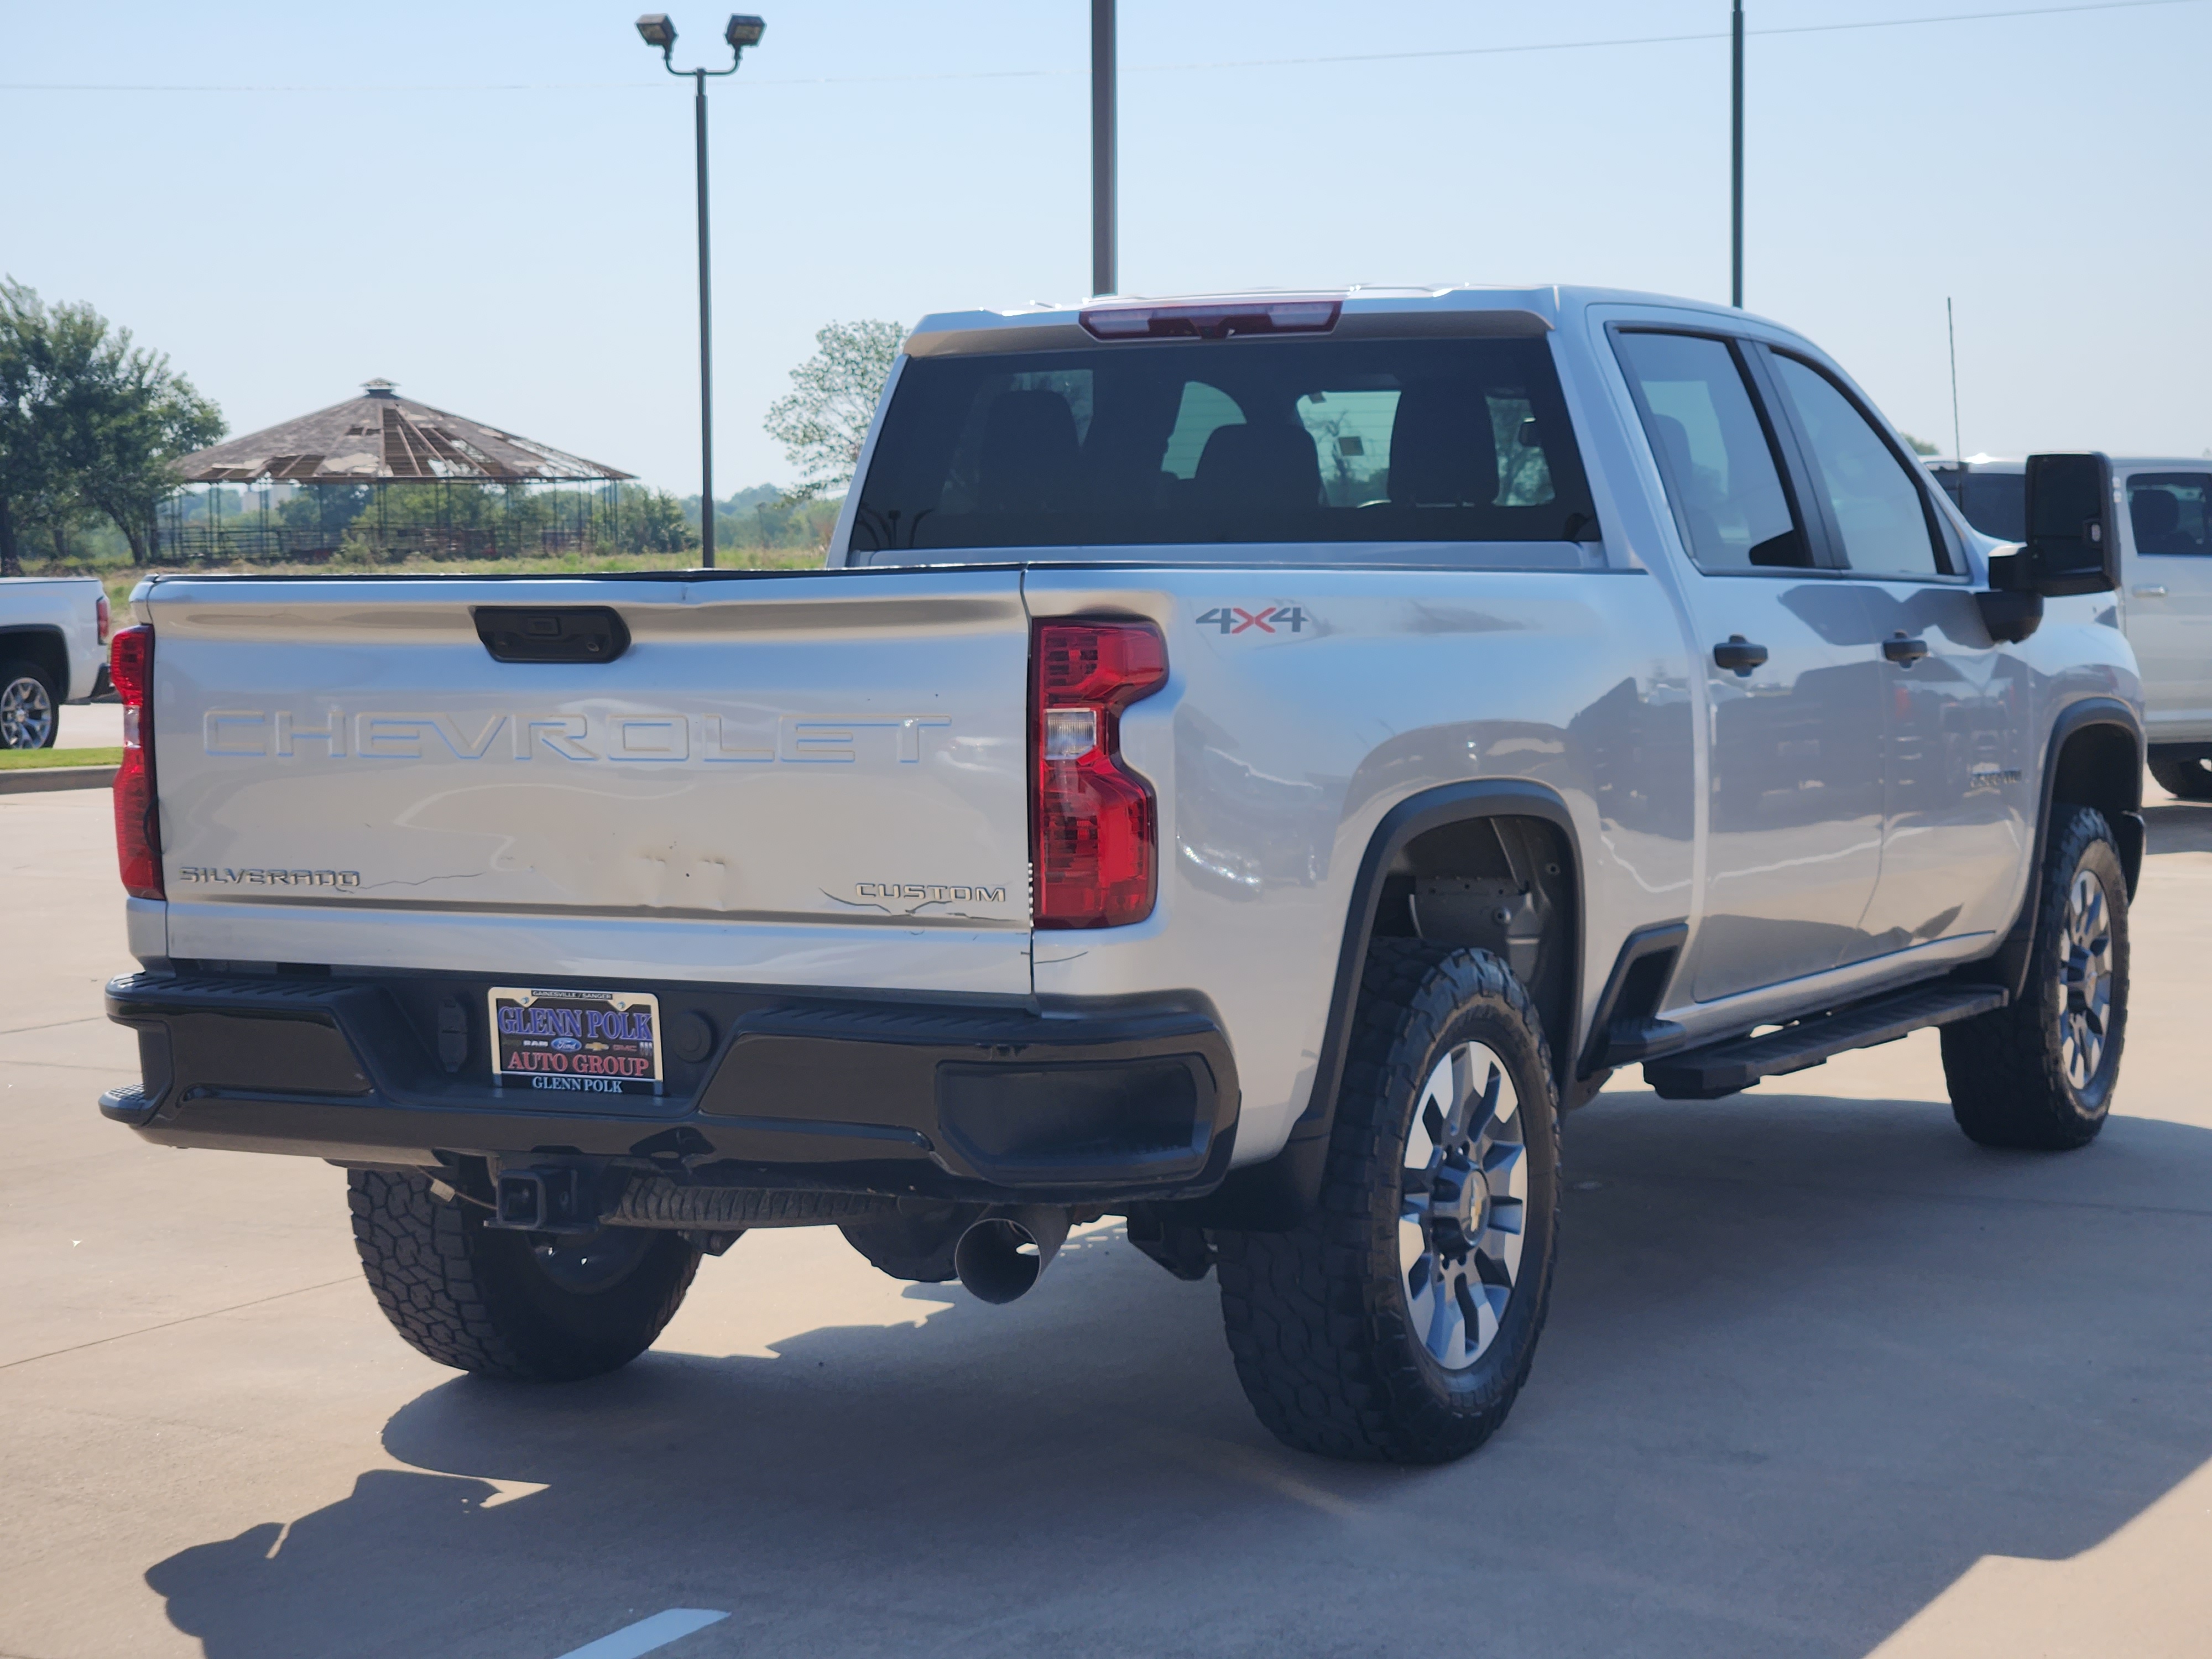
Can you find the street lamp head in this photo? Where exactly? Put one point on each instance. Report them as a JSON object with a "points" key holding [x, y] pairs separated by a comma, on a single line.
{"points": [[744, 32], [657, 30]]}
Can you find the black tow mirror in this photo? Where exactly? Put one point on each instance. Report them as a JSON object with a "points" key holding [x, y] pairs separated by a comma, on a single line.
{"points": [[2071, 545]]}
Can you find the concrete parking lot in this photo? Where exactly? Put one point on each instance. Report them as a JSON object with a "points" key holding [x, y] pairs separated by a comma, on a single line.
{"points": [[89, 726], [1821, 1379]]}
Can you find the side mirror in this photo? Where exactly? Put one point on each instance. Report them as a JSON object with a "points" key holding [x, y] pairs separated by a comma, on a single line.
{"points": [[2071, 546]]}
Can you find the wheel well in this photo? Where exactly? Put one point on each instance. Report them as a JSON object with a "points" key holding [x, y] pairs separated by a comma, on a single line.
{"points": [[43, 649], [2101, 766], [1504, 885], [1472, 849]]}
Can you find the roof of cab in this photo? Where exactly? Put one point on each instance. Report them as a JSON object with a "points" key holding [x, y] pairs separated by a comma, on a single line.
{"points": [[1451, 307]]}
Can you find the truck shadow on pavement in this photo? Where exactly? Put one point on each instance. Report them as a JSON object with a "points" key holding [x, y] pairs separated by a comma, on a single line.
{"points": [[1808, 1360], [2178, 826]]}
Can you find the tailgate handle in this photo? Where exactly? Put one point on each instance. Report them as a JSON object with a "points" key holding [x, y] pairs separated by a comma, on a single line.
{"points": [[551, 633]]}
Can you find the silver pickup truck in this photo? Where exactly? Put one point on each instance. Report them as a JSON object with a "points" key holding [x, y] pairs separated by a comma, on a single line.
{"points": [[1250, 766]]}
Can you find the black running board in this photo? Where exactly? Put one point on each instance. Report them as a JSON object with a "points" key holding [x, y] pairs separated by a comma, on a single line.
{"points": [[1722, 1068]]}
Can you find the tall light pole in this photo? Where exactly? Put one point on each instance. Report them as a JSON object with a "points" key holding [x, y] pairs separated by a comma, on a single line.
{"points": [[741, 33], [1736, 162], [1103, 226]]}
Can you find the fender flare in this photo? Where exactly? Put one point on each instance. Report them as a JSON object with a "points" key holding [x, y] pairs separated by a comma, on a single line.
{"points": [[2011, 958], [1275, 1194]]}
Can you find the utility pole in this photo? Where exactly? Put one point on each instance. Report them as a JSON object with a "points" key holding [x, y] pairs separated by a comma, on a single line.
{"points": [[706, 343], [1736, 161], [1103, 225]]}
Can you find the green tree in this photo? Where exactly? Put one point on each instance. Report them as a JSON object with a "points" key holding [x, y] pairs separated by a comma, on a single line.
{"points": [[32, 485], [1919, 445], [824, 420], [647, 520], [88, 422]]}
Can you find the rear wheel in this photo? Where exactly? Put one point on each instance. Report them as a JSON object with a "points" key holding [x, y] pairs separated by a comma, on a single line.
{"points": [[2039, 1073], [27, 702], [488, 1301], [1397, 1322], [2189, 777]]}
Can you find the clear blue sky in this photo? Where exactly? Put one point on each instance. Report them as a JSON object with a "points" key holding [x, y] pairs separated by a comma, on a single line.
{"points": [[525, 256]]}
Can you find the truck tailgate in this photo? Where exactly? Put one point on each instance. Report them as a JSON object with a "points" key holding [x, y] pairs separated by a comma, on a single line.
{"points": [[818, 776]]}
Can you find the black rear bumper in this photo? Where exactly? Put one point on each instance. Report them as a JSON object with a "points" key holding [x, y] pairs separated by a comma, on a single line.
{"points": [[1067, 1103]]}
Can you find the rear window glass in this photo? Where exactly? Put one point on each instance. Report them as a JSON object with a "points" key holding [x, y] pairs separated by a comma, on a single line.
{"points": [[1996, 503], [1201, 444]]}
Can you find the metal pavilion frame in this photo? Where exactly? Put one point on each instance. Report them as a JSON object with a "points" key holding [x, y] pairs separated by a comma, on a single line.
{"points": [[382, 443]]}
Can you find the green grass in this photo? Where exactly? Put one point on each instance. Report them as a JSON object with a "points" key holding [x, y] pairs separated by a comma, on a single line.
{"points": [[17, 760]]}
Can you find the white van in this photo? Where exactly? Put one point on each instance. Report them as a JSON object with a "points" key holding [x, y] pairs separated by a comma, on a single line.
{"points": [[2166, 593]]}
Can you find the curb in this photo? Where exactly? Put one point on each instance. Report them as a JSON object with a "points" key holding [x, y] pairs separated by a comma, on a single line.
{"points": [[37, 779]]}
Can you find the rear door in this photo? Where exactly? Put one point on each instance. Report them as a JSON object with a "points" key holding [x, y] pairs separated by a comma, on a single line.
{"points": [[1955, 762], [2169, 598], [815, 777], [1793, 678]]}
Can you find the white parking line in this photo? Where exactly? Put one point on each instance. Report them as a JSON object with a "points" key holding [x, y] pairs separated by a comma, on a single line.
{"points": [[646, 1634]]}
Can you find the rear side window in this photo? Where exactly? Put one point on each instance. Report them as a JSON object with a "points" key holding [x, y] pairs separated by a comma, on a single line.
{"points": [[1872, 491], [2171, 512], [1212, 445], [1714, 453]]}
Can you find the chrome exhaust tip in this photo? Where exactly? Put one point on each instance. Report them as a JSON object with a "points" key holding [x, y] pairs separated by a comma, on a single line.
{"points": [[1002, 1255]]}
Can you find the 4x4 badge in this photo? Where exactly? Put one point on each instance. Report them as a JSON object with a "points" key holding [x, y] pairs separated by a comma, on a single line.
{"points": [[1268, 619]]}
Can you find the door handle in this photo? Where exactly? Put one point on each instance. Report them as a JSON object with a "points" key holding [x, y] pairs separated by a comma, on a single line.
{"points": [[1739, 655], [2148, 593], [1903, 648]]}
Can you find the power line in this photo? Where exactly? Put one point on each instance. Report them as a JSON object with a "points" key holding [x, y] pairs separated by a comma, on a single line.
{"points": [[1672, 40], [1435, 53]]}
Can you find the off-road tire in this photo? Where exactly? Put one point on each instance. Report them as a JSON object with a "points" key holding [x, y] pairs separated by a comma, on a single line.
{"points": [[27, 680], [476, 1299], [2007, 1069], [2191, 778], [1318, 1317]]}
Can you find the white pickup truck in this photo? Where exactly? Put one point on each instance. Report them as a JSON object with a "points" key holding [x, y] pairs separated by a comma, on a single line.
{"points": [[2165, 595], [53, 641], [1250, 766]]}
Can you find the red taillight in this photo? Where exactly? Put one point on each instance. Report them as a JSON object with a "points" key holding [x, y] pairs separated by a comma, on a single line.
{"points": [[137, 831], [106, 618], [1092, 823]]}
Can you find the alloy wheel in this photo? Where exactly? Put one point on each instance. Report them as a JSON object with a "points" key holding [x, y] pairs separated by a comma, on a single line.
{"points": [[2085, 980], [1463, 1199], [26, 714]]}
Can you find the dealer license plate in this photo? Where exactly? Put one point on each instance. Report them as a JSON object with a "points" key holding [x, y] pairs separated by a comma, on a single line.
{"points": [[604, 1042]]}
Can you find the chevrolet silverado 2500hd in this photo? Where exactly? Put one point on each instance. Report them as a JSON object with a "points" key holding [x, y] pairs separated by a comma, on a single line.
{"points": [[1250, 765]]}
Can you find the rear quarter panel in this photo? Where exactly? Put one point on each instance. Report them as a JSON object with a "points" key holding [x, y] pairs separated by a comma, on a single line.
{"points": [[1276, 756]]}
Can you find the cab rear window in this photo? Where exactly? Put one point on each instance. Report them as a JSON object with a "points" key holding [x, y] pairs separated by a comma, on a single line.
{"points": [[1218, 445]]}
